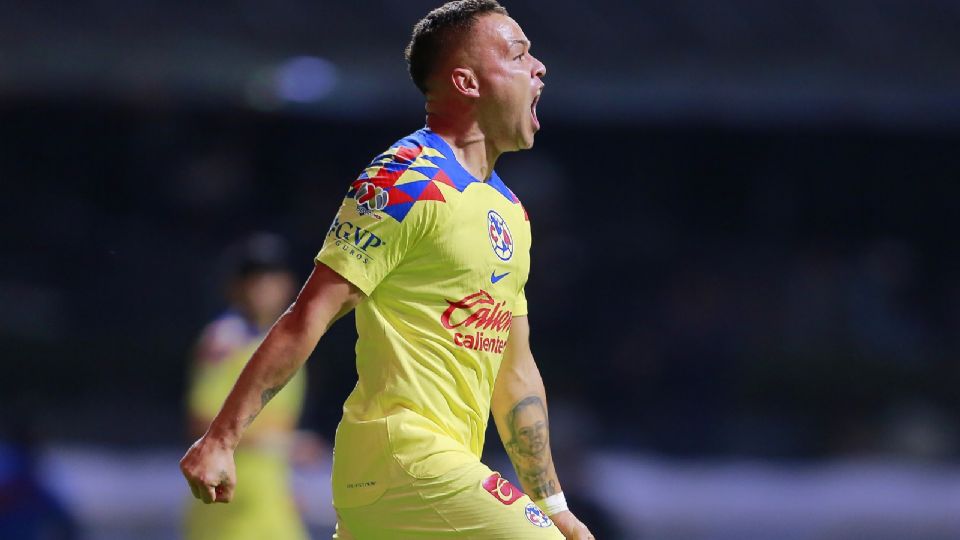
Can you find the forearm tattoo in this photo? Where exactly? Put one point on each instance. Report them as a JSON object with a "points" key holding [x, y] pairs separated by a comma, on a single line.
{"points": [[529, 446], [265, 398]]}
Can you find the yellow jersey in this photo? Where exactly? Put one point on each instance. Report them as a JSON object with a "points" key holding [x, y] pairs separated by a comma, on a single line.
{"points": [[443, 259]]}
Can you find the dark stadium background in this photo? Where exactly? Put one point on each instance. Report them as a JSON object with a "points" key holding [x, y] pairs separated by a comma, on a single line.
{"points": [[745, 291]]}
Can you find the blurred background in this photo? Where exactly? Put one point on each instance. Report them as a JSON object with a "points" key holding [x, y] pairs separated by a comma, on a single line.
{"points": [[745, 291]]}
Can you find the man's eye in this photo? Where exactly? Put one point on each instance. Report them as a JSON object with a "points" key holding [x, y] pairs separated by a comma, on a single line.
{"points": [[520, 56]]}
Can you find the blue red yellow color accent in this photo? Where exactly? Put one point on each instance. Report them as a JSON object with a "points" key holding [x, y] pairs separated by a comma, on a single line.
{"points": [[412, 169], [425, 241], [536, 516]]}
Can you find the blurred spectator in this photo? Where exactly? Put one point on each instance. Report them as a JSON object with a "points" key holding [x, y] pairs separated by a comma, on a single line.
{"points": [[260, 288]]}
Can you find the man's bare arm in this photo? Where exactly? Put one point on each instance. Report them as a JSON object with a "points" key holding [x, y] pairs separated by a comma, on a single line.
{"points": [[208, 464], [519, 408], [520, 412]]}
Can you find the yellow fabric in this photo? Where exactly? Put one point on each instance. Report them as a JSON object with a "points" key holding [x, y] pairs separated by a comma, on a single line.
{"points": [[262, 508], [453, 505], [440, 301], [213, 378], [263, 505]]}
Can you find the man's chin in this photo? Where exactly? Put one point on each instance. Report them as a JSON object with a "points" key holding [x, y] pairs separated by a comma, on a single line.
{"points": [[523, 141], [526, 141]]}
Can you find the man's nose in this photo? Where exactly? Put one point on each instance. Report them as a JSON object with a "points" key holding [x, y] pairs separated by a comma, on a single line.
{"points": [[541, 69]]}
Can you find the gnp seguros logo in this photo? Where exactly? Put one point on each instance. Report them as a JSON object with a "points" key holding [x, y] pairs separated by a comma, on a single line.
{"points": [[500, 237], [354, 240]]}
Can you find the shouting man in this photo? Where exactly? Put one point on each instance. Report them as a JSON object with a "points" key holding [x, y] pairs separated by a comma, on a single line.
{"points": [[431, 249]]}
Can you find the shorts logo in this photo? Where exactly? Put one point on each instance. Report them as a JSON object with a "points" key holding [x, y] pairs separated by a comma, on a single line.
{"points": [[370, 198], [501, 489], [500, 237], [536, 516]]}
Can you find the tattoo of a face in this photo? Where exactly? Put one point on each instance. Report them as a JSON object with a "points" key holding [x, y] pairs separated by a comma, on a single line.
{"points": [[529, 446]]}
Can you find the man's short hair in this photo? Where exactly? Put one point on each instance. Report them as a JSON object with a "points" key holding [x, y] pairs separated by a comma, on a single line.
{"points": [[436, 32]]}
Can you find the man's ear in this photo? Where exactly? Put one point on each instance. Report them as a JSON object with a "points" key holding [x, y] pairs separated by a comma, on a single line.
{"points": [[465, 82]]}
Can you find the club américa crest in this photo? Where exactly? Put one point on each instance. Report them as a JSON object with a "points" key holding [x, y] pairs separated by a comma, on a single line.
{"points": [[500, 237], [536, 516]]}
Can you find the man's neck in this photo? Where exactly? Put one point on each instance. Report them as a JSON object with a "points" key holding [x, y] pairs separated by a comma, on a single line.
{"points": [[470, 146]]}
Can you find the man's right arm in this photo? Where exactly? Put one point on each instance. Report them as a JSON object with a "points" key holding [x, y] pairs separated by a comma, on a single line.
{"points": [[208, 465]]}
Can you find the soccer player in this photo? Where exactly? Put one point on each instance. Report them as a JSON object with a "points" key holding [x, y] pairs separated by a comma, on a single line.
{"points": [[431, 250], [259, 288]]}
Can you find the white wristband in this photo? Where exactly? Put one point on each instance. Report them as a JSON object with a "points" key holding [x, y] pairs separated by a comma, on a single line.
{"points": [[552, 504]]}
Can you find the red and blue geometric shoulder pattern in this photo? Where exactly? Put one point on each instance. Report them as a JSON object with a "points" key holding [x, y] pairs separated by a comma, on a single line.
{"points": [[409, 173]]}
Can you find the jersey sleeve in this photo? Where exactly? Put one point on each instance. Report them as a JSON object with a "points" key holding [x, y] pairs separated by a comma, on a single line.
{"points": [[372, 233]]}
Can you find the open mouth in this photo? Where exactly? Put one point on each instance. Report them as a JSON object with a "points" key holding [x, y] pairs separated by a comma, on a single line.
{"points": [[533, 109]]}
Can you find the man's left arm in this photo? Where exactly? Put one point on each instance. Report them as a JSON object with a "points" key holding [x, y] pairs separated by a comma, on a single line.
{"points": [[520, 411]]}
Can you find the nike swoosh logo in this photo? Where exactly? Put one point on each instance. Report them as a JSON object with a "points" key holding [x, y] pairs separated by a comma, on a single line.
{"points": [[495, 278]]}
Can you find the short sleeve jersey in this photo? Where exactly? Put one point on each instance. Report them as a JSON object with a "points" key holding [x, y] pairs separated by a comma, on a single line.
{"points": [[443, 259]]}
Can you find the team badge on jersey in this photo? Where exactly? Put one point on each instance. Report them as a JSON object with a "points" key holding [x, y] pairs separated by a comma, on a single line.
{"points": [[501, 489], [536, 516], [500, 237], [370, 198]]}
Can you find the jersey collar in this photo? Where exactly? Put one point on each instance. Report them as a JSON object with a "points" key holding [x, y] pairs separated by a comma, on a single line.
{"points": [[460, 176]]}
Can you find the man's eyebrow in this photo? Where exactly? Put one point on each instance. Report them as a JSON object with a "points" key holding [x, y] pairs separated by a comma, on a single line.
{"points": [[520, 41]]}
